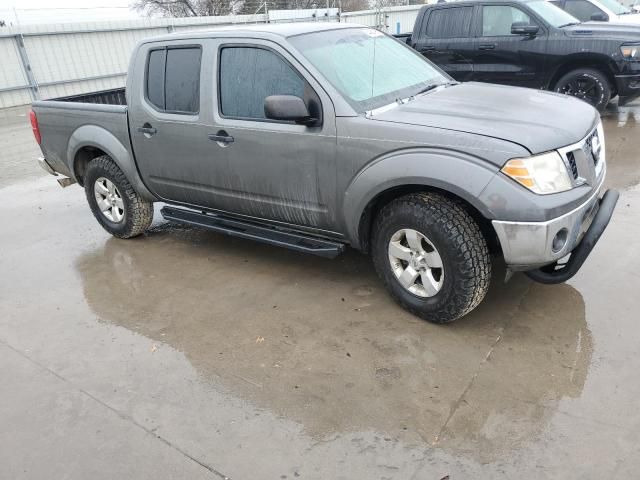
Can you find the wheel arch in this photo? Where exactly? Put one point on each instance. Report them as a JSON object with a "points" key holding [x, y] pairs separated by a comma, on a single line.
{"points": [[379, 184], [602, 63], [367, 218], [91, 141]]}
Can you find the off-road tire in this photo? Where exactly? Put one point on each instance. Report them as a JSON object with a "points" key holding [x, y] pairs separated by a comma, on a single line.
{"points": [[138, 213], [460, 243], [604, 90]]}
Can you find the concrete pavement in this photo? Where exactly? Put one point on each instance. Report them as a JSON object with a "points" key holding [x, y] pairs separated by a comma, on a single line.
{"points": [[186, 354]]}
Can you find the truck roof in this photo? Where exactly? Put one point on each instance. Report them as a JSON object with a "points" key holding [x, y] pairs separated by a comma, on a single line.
{"points": [[278, 29]]}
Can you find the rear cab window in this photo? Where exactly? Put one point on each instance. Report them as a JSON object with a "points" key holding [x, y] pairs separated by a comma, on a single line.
{"points": [[173, 79]]}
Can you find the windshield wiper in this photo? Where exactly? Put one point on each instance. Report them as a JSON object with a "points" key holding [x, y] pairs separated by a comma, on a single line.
{"points": [[402, 101], [431, 87], [570, 24], [426, 89]]}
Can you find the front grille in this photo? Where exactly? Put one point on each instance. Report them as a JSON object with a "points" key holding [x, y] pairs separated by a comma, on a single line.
{"points": [[586, 159], [588, 147], [572, 164]]}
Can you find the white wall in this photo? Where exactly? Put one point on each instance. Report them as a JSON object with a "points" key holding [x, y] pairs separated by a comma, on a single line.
{"points": [[391, 19], [68, 59]]}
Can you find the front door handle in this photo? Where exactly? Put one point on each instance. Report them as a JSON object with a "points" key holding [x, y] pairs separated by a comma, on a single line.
{"points": [[221, 137], [428, 49], [147, 129], [487, 46]]}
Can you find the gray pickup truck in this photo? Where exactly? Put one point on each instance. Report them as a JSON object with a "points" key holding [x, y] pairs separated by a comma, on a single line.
{"points": [[318, 136]]}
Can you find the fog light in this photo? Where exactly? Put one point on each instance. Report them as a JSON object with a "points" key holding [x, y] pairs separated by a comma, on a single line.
{"points": [[560, 240]]}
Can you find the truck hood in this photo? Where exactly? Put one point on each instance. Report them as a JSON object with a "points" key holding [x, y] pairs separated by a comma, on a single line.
{"points": [[627, 30], [538, 121]]}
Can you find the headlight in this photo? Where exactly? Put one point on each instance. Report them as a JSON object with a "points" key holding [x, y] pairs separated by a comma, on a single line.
{"points": [[630, 52], [543, 174]]}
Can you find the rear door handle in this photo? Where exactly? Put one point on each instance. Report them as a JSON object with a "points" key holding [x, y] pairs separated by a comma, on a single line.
{"points": [[221, 137], [428, 48], [487, 46]]}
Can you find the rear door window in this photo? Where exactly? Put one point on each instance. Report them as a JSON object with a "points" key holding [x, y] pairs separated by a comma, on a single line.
{"points": [[173, 79], [155, 78], [452, 22]]}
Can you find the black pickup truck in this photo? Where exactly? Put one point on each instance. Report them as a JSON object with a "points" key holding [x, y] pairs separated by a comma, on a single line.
{"points": [[531, 43]]}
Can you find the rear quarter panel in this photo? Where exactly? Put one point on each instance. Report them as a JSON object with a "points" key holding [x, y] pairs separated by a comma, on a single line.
{"points": [[68, 127]]}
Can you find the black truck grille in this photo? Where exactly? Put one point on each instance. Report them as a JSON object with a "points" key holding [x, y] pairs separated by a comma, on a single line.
{"points": [[588, 147], [572, 164]]}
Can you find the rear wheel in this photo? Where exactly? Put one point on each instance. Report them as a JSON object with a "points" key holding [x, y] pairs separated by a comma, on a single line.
{"points": [[431, 256], [587, 84], [113, 201]]}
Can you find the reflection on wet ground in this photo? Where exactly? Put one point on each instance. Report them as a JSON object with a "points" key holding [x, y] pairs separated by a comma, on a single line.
{"points": [[621, 132], [207, 354], [249, 315]]}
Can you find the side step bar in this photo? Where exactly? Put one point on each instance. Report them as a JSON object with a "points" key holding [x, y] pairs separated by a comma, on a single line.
{"points": [[260, 233]]}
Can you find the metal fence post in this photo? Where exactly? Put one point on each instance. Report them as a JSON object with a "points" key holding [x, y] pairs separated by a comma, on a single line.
{"points": [[24, 58]]}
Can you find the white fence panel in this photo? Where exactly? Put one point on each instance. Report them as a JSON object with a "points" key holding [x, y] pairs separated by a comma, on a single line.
{"points": [[12, 76], [66, 59], [391, 19]]}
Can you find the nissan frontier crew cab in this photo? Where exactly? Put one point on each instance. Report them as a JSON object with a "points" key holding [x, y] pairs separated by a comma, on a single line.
{"points": [[318, 136]]}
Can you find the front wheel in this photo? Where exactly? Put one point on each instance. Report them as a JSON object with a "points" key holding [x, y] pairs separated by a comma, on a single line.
{"points": [[113, 200], [587, 84], [431, 256]]}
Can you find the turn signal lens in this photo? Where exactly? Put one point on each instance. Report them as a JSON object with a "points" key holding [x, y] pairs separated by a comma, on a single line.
{"points": [[630, 52], [542, 174], [517, 170]]}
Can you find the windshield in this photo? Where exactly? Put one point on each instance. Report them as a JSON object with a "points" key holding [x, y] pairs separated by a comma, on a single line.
{"points": [[554, 16], [615, 7], [369, 68]]}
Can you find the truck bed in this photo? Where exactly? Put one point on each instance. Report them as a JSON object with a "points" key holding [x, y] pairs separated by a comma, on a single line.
{"points": [[115, 96], [101, 115]]}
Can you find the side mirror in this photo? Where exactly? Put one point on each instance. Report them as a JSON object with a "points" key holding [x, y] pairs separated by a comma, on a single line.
{"points": [[288, 108], [523, 28], [600, 17]]}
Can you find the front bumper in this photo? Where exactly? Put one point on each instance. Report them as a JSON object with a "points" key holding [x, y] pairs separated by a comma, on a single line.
{"points": [[628, 88], [531, 245]]}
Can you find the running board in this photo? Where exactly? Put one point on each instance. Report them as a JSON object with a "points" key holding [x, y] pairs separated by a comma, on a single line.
{"points": [[264, 234]]}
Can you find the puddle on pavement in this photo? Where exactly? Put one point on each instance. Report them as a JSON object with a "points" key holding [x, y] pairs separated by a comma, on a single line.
{"points": [[320, 343], [621, 134]]}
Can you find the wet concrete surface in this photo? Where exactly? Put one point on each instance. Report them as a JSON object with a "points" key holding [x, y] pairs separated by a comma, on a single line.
{"points": [[186, 354]]}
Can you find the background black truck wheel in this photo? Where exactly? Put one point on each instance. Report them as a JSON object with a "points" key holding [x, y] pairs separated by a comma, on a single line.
{"points": [[113, 201], [448, 237], [587, 84]]}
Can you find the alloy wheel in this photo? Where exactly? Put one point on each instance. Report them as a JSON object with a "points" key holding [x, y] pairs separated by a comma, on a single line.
{"points": [[416, 263], [109, 199]]}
